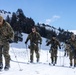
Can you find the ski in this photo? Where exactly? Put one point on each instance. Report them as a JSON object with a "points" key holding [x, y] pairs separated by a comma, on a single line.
{"points": [[26, 62], [61, 66], [42, 63], [20, 62], [35, 63]]}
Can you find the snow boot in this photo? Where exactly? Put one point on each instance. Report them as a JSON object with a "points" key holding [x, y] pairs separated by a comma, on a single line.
{"points": [[31, 61], [74, 65], [37, 59], [6, 67], [70, 64]]}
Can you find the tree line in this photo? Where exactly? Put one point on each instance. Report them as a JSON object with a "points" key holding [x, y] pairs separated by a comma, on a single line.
{"points": [[22, 24]]}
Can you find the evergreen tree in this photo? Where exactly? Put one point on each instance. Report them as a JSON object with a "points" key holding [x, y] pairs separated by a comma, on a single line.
{"points": [[14, 21], [8, 19]]}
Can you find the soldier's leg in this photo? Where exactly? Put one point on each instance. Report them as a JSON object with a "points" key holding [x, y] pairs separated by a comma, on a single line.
{"points": [[1, 61], [70, 57], [6, 55], [31, 55], [65, 52], [55, 54], [37, 53], [74, 62], [74, 58], [52, 56]]}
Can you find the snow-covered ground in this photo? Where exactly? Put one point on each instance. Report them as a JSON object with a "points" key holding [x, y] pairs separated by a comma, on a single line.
{"points": [[22, 55]]}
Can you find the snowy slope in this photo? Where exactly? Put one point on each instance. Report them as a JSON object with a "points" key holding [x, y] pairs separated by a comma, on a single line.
{"points": [[37, 69]]}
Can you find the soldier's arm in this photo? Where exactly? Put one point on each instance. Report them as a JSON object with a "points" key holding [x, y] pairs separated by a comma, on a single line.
{"points": [[28, 37], [59, 44], [68, 41], [49, 42], [10, 32], [39, 36]]}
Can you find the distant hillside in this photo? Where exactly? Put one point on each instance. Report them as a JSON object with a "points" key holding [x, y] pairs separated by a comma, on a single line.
{"points": [[5, 13], [22, 24], [74, 31]]}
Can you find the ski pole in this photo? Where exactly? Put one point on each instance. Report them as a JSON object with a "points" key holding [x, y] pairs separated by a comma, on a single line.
{"points": [[27, 53], [47, 56], [63, 60], [60, 56], [16, 59], [40, 48]]}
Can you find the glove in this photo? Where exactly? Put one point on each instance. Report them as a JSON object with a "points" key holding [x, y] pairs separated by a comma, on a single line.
{"points": [[46, 44], [40, 42], [67, 42], [29, 46], [10, 41], [25, 42]]}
